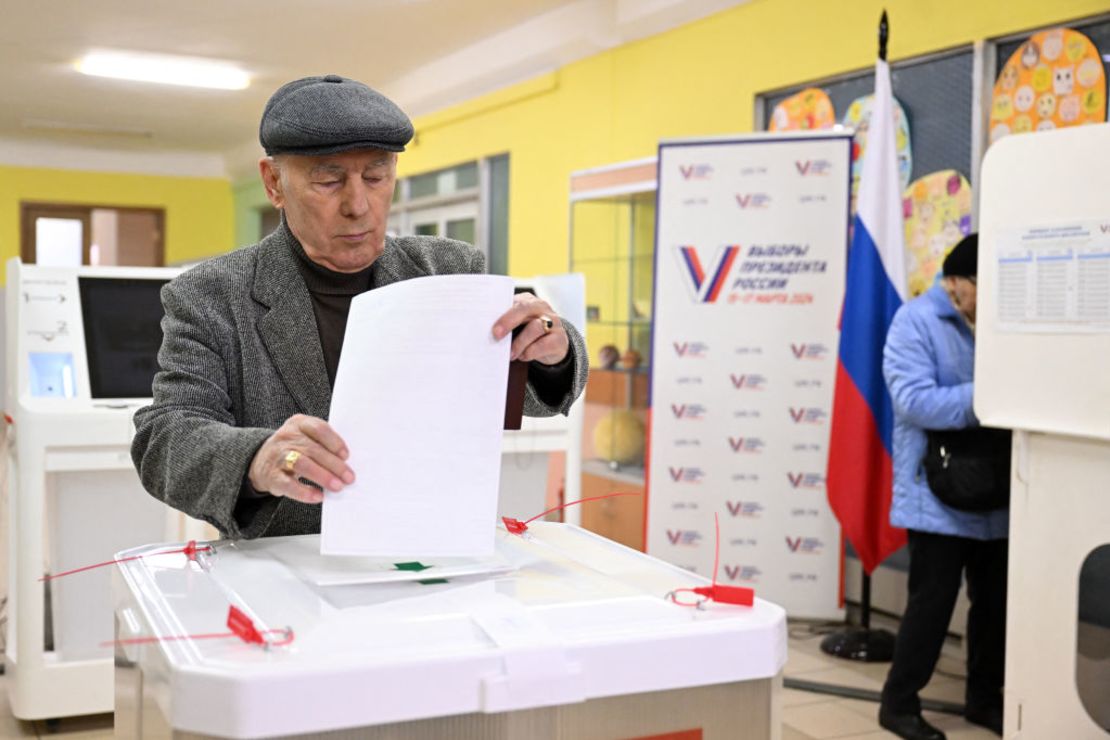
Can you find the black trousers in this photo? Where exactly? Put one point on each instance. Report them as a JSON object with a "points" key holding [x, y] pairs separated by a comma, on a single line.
{"points": [[937, 563]]}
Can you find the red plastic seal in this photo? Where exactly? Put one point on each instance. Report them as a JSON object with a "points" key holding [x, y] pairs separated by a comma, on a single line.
{"points": [[240, 624]]}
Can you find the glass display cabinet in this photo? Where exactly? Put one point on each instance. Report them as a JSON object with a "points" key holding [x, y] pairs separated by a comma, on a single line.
{"points": [[612, 243]]}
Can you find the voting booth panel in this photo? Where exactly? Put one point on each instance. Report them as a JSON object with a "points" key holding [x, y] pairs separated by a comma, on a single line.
{"points": [[576, 639], [527, 452], [1042, 338], [81, 353]]}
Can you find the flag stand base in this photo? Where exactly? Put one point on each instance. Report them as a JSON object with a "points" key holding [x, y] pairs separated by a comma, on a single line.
{"points": [[861, 643]]}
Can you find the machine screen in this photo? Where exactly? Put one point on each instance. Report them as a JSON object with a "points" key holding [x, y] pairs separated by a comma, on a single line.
{"points": [[123, 332]]}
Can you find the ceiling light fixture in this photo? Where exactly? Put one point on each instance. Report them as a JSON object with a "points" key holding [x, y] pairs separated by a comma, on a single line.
{"points": [[163, 69], [67, 127]]}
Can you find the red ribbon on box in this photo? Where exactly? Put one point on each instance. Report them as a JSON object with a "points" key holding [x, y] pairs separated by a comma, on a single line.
{"points": [[238, 622], [739, 595], [190, 550], [515, 526]]}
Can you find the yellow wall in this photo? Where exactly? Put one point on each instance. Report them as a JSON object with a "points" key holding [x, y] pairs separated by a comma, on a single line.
{"points": [[198, 209], [698, 79]]}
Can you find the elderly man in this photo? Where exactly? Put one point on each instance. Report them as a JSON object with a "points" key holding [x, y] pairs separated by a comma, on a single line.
{"points": [[236, 434]]}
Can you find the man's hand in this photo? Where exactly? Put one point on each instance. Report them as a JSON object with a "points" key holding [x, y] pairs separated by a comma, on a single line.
{"points": [[302, 447], [542, 337]]}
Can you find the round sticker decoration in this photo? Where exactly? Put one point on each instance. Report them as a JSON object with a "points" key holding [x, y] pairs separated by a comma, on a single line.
{"points": [[858, 116], [936, 210], [805, 111], [1054, 79]]}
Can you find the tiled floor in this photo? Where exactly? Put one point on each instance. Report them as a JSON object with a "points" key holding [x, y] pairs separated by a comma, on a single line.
{"points": [[806, 716], [95, 727], [811, 716]]}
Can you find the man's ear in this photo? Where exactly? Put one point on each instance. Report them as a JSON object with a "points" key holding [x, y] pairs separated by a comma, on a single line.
{"points": [[271, 181]]}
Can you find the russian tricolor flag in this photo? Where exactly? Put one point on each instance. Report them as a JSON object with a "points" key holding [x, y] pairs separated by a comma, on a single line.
{"points": [[860, 474]]}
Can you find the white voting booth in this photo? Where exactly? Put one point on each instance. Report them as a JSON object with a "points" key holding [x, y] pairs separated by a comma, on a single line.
{"points": [[1042, 346], [80, 352], [570, 638]]}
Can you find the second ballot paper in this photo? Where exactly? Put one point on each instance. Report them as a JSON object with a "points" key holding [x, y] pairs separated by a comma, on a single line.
{"points": [[419, 399]]}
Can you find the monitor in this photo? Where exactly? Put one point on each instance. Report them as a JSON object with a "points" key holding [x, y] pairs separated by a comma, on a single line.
{"points": [[123, 332]]}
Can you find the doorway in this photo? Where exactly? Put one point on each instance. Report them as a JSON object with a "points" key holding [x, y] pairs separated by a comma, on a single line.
{"points": [[64, 234]]}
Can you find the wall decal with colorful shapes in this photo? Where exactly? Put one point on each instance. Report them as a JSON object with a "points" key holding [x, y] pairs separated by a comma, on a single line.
{"points": [[1054, 79], [804, 111], [858, 117], [936, 209]]}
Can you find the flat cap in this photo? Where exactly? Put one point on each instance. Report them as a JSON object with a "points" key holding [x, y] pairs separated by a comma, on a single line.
{"points": [[330, 114], [963, 260]]}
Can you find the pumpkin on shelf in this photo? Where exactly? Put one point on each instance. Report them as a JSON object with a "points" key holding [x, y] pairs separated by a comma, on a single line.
{"points": [[619, 438]]}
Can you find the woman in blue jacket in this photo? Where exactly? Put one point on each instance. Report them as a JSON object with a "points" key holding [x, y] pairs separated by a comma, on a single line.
{"points": [[928, 363]]}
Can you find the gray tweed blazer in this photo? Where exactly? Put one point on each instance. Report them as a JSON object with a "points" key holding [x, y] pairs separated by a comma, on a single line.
{"points": [[240, 355]]}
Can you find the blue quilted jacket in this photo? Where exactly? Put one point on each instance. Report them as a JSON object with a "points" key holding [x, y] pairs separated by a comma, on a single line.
{"points": [[928, 362]]}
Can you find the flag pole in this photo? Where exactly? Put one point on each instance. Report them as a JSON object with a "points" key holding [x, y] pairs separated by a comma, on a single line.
{"points": [[863, 643], [884, 34]]}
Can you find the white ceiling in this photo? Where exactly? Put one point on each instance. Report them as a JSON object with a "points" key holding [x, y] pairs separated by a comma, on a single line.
{"points": [[426, 54]]}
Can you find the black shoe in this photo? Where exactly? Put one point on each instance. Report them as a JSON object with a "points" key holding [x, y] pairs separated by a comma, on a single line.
{"points": [[909, 726], [990, 717]]}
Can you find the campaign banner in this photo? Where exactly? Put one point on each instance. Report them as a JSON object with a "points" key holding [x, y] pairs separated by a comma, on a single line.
{"points": [[751, 247]]}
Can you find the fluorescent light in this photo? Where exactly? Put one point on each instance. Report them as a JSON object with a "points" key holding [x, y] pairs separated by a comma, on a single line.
{"points": [[68, 127], [163, 69]]}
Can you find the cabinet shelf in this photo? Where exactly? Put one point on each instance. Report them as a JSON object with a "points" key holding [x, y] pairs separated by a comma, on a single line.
{"points": [[620, 389], [612, 243], [630, 322], [631, 474], [642, 370]]}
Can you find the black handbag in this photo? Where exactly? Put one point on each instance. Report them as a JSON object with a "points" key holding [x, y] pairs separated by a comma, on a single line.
{"points": [[969, 469]]}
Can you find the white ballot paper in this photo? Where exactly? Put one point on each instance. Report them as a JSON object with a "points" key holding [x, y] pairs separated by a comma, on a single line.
{"points": [[419, 399]]}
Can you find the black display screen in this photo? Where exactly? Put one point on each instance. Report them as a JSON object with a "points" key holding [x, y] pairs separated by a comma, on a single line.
{"points": [[123, 331]]}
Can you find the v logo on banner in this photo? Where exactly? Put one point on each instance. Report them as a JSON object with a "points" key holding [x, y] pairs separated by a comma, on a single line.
{"points": [[702, 287]]}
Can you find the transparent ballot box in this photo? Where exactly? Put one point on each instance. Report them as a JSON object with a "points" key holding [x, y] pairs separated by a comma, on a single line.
{"points": [[563, 634]]}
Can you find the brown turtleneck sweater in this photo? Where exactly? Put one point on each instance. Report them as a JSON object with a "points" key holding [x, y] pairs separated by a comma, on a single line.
{"points": [[331, 294]]}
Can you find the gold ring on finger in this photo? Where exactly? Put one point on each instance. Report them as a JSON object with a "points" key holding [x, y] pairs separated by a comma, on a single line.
{"points": [[290, 460], [547, 323]]}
